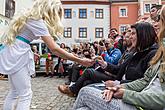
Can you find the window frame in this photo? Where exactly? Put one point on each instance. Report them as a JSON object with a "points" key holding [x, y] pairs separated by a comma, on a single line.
{"points": [[150, 5], [83, 31], [99, 32], [70, 17], [126, 11], [68, 31], [100, 13], [124, 25], [86, 13], [9, 11]]}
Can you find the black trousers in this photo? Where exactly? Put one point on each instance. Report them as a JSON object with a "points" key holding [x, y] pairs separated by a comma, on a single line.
{"points": [[75, 73], [90, 76]]}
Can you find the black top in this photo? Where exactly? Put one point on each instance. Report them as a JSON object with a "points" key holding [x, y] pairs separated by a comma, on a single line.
{"points": [[133, 67]]}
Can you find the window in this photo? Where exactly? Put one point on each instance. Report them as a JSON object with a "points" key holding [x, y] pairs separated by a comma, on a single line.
{"points": [[147, 7], [123, 12], [9, 8], [123, 28], [67, 13], [67, 32], [83, 32], [99, 13], [153, 5], [82, 13], [99, 33]]}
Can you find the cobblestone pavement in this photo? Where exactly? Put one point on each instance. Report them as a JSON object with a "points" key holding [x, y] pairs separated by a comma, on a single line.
{"points": [[45, 94]]}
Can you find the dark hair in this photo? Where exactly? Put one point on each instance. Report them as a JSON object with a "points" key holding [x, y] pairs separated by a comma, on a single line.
{"points": [[146, 35], [101, 43], [113, 29], [88, 55], [158, 7], [62, 44], [75, 50]]}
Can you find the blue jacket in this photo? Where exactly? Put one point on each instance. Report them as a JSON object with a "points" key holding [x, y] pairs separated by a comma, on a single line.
{"points": [[112, 56]]}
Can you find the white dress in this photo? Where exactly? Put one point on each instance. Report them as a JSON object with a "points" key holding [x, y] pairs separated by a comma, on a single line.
{"points": [[19, 55]]}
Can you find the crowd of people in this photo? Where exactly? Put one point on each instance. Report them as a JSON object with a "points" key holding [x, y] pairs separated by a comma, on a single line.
{"points": [[121, 72], [129, 75]]}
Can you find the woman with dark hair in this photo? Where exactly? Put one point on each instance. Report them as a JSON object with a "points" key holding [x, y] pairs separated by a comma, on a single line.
{"points": [[147, 93], [146, 33], [143, 39], [60, 67]]}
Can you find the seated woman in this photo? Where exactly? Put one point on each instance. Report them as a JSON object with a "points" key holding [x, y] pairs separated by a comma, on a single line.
{"points": [[143, 39], [145, 93]]}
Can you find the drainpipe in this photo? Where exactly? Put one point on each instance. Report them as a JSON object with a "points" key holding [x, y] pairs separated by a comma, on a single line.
{"points": [[110, 4]]}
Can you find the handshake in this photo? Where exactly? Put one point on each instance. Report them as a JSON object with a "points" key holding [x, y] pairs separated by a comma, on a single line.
{"points": [[96, 58], [100, 61]]}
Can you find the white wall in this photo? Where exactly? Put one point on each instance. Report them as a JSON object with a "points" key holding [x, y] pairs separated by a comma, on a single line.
{"points": [[143, 2], [2, 7], [91, 23], [19, 5], [4, 22], [22, 5]]}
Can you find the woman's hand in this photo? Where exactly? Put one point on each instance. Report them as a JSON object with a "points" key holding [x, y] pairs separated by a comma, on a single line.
{"points": [[109, 83], [119, 93], [100, 60], [107, 95], [86, 62], [116, 92], [109, 92]]}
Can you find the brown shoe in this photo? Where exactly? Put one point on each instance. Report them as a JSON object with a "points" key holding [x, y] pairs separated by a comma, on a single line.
{"points": [[65, 90]]}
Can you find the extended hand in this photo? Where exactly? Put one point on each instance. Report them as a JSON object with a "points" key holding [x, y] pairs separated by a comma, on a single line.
{"points": [[100, 60], [87, 62]]}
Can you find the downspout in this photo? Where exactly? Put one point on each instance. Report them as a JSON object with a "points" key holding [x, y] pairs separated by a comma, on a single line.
{"points": [[110, 4]]}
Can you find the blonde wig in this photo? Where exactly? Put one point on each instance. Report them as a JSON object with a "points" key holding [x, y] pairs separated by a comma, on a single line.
{"points": [[161, 40], [49, 10]]}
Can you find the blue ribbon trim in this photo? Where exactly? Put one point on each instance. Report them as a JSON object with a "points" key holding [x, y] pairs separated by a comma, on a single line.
{"points": [[1, 47], [23, 39]]}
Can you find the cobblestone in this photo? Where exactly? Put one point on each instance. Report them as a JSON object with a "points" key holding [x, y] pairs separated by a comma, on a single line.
{"points": [[45, 94]]}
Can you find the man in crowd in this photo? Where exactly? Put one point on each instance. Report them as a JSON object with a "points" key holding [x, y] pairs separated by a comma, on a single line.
{"points": [[118, 39]]}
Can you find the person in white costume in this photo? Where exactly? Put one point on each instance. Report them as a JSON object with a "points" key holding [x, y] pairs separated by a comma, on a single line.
{"points": [[16, 58]]}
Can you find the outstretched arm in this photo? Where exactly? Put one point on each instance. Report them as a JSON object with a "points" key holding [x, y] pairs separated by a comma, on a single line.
{"points": [[64, 54]]}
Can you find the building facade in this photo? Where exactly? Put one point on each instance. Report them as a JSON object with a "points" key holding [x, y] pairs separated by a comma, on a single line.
{"points": [[123, 13], [86, 20], [145, 6], [8, 8]]}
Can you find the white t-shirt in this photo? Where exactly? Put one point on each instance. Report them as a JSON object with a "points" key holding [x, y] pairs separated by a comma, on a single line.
{"points": [[34, 29]]}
